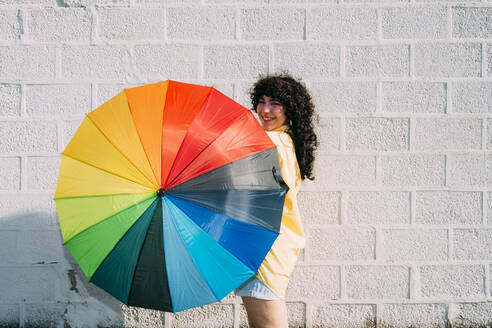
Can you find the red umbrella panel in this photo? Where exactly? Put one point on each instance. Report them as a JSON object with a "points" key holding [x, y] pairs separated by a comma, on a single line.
{"points": [[170, 195]]}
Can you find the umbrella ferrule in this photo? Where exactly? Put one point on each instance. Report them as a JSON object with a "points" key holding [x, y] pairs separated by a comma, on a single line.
{"points": [[161, 192]]}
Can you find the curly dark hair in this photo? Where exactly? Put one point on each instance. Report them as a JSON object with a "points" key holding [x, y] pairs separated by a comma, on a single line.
{"points": [[299, 109]]}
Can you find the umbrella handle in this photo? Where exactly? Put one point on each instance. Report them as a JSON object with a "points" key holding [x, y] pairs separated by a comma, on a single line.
{"points": [[278, 177]]}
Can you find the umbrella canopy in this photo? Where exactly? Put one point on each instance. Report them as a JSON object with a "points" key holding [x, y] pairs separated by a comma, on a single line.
{"points": [[169, 195]]}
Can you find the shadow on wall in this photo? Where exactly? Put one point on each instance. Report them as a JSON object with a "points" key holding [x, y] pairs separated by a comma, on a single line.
{"points": [[42, 285]]}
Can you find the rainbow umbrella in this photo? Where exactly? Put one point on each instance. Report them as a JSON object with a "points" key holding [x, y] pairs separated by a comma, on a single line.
{"points": [[169, 196]]}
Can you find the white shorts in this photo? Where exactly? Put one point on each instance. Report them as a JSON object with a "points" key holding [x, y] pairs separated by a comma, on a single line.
{"points": [[253, 287]]}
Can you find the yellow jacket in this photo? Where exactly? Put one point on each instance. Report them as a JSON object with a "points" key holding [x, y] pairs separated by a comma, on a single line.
{"points": [[279, 263]]}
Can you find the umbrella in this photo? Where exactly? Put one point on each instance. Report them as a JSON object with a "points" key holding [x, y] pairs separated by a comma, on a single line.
{"points": [[169, 195]]}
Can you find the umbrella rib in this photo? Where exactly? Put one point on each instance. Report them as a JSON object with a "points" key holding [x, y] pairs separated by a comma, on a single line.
{"points": [[122, 154], [104, 170]]}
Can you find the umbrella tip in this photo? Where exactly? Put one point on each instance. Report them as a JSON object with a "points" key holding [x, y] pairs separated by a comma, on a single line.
{"points": [[161, 192]]}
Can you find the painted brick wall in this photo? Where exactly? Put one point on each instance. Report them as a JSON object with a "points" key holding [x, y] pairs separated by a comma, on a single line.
{"points": [[399, 218]]}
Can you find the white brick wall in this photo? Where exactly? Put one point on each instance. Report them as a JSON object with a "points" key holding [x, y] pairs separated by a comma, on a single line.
{"points": [[399, 218]]}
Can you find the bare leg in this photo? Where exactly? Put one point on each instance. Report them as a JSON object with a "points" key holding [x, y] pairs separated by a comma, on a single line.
{"points": [[265, 314]]}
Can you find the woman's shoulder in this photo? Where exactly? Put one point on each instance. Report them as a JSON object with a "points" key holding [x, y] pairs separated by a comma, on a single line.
{"points": [[281, 138]]}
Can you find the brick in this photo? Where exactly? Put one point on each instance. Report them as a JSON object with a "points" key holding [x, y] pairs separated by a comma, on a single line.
{"points": [[473, 244], [447, 59], [178, 61], [203, 23], [296, 315], [241, 93], [448, 133], [469, 169], [241, 61], [328, 23], [476, 314], [452, 281], [489, 59], [9, 315], [132, 24], [207, 316], [140, 317], [46, 315], [414, 97], [61, 24], [42, 173], [448, 207], [415, 245], [87, 3], [346, 97], [448, 1], [87, 314], [28, 2], [314, 282], [10, 27], [344, 315], [9, 247], [469, 22], [413, 170], [27, 62], [414, 315], [471, 97], [108, 91], [328, 132], [319, 207], [272, 23], [415, 23], [28, 136], [376, 133], [58, 100], [378, 207], [34, 284], [39, 211], [373, 282], [378, 61], [40, 247], [69, 128], [311, 60], [352, 170], [342, 244], [220, 1], [227, 88], [11, 98], [10, 176], [179, 2], [369, 1], [94, 62]]}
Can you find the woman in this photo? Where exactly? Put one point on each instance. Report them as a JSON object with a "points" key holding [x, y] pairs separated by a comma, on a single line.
{"points": [[286, 112]]}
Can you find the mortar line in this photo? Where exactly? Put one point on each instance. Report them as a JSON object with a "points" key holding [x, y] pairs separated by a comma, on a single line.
{"points": [[309, 315], [236, 314], [483, 46], [484, 132], [449, 103], [485, 210], [450, 23]]}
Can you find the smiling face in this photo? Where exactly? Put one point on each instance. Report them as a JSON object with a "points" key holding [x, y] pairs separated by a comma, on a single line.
{"points": [[271, 113]]}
